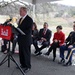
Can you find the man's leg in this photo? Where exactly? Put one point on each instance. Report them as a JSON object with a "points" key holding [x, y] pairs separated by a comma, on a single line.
{"points": [[69, 62], [44, 45], [21, 56], [62, 50], [27, 56], [69, 50]]}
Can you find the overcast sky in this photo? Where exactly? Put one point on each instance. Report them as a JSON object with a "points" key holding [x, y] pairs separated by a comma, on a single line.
{"points": [[66, 2]]}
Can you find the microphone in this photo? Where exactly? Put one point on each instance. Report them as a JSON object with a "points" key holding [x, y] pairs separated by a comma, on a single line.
{"points": [[6, 22]]}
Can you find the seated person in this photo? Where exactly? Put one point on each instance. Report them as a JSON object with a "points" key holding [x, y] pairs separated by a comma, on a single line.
{"points": [[4, 45], [34, 33], [58, 40], [44, 38], [13, 39], [68, 45]]}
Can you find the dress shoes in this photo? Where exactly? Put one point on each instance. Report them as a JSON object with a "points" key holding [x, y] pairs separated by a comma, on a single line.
{"points": [[20, 67], [26, 70], [54, 59], [69, 63], [62, 61], [47, 54], [38, 53]]}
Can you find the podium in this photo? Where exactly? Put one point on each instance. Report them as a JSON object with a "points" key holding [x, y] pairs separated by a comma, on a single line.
{"points": [[6, 33]]}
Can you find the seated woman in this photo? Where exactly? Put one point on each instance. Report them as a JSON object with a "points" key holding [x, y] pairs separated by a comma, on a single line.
{"points": [[34, 34], [58, 40], [68, 45]]}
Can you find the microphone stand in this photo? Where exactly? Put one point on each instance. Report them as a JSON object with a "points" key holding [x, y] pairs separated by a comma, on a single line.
{"points": [[8, 57]]}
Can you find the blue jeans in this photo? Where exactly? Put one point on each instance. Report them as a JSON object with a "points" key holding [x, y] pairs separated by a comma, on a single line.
{"points": [[65, 48]]}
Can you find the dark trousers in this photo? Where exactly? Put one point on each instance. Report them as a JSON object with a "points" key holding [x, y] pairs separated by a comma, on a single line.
{"points": [[5, 42], [44, 45], [25, 55], [65, 48], [53, 47], [14, 44]]}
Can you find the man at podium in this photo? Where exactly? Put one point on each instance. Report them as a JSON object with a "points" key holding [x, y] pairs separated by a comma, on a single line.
{"points": [[24, 39]]}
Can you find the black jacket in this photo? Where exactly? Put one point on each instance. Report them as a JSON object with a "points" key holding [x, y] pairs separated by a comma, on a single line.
{"points": [[47, 36], [26, 27], [71, 38]]}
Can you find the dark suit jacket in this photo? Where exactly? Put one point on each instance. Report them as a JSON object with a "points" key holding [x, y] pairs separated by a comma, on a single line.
{"points": [[47, 36], [70, 40], [26, 27]]}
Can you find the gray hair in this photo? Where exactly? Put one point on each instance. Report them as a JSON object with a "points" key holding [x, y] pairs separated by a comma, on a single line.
{"points": [[24, 8], [45, 23]]}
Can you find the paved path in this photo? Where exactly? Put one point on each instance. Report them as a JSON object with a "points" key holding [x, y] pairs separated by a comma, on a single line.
{"points": [[41, 65]]}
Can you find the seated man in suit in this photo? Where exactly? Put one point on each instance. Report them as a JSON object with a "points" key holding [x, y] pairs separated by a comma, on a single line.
{"points": [[43, 38]]}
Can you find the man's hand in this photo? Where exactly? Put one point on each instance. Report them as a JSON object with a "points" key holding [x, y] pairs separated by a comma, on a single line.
{"points": [[70, 46], [64, 44], [31, 35], [43, 39]]}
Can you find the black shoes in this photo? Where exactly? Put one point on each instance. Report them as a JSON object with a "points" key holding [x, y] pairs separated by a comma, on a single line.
{"points": [[69, 63], [20, 67], [36, 52], [53, 59], [39, 53], [47, 54], [26, 70], [62, 61]]}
